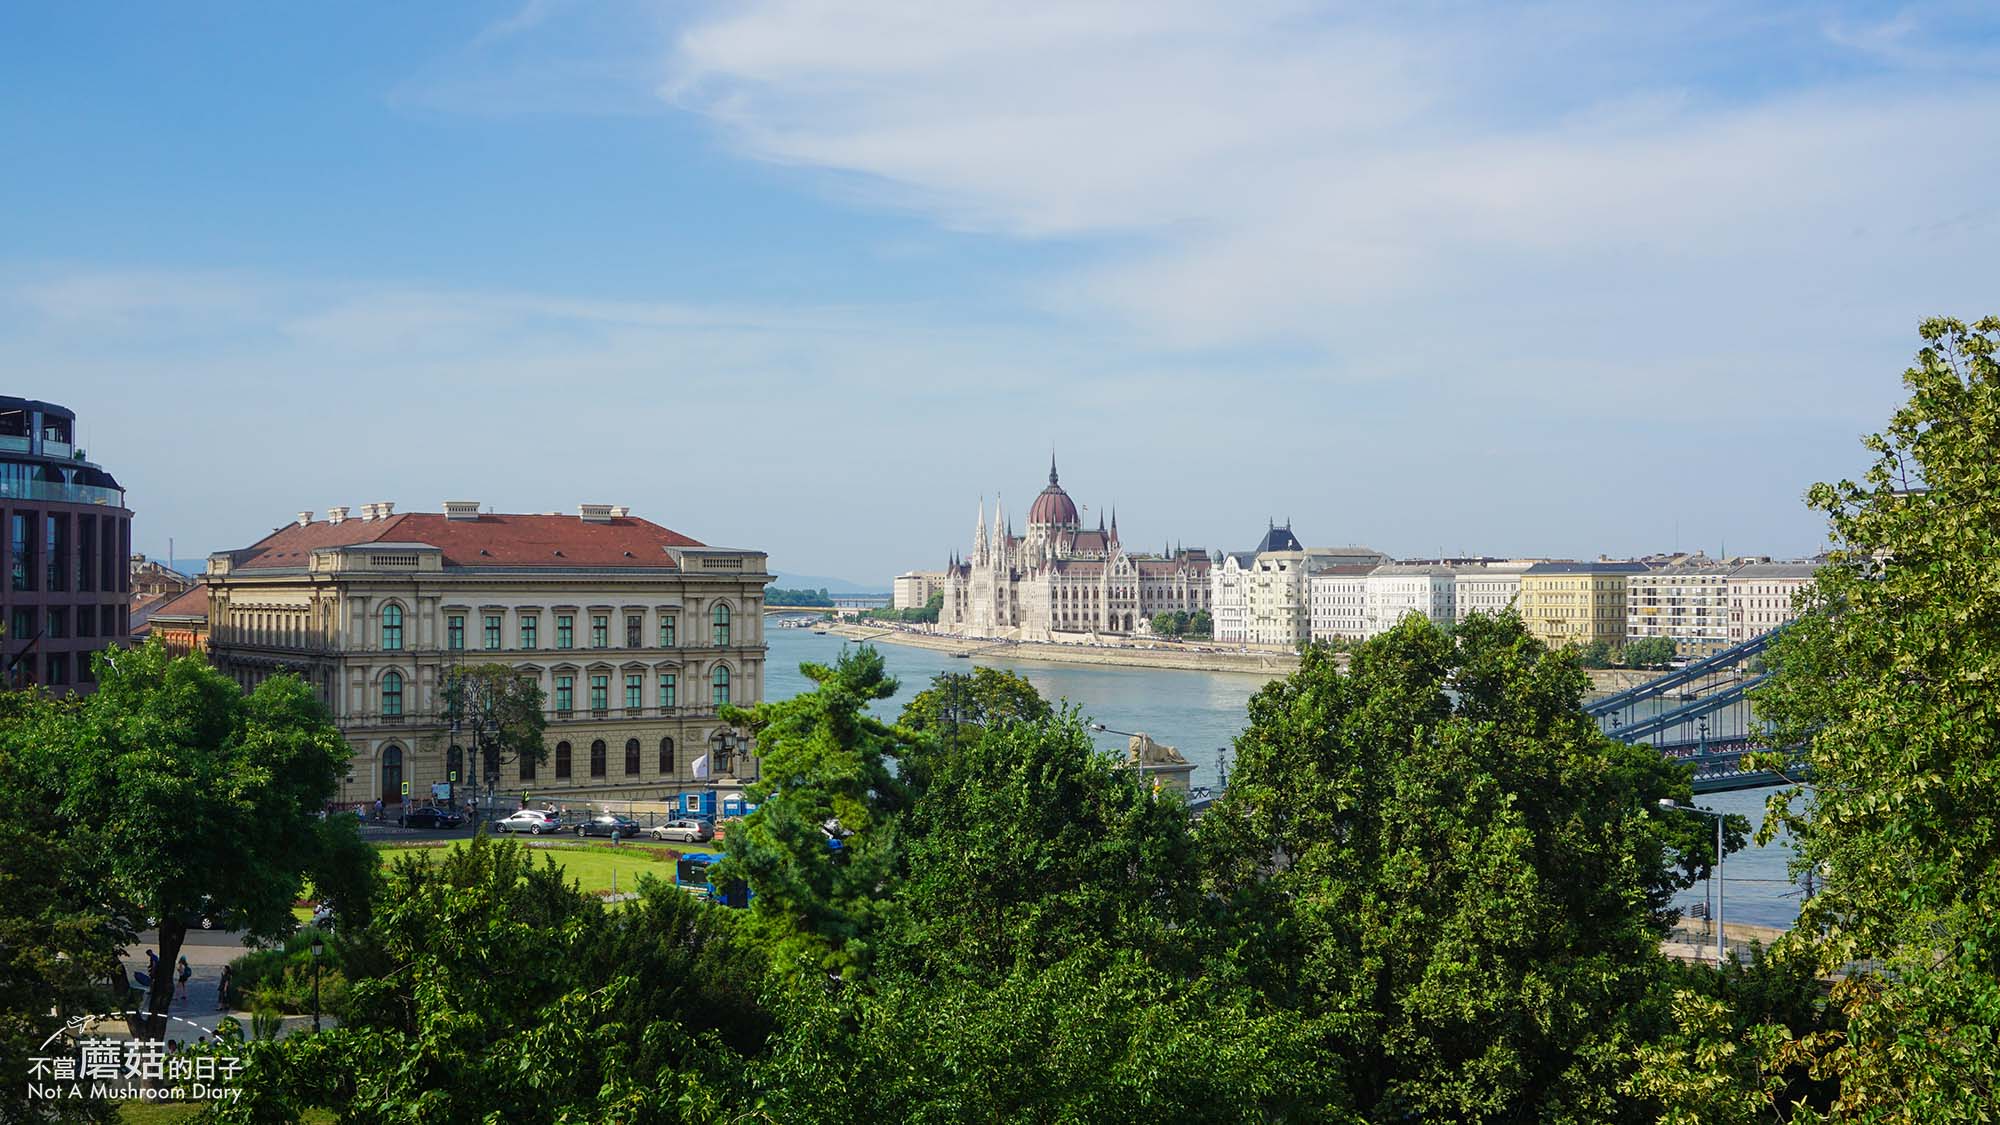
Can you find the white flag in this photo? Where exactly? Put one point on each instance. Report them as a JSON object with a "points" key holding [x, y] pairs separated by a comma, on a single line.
{"points": [[701, 766]]}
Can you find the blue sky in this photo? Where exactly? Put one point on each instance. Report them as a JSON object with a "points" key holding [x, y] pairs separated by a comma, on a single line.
{"points": [[1537, 279]]}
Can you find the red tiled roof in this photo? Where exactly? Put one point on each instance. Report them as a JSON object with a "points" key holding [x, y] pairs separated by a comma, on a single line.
{"points": [[188, 603], [489, 540]]}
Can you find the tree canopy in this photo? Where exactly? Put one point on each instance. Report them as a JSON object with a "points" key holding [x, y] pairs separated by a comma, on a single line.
{"points": [[1444, 867], [194, 798]]}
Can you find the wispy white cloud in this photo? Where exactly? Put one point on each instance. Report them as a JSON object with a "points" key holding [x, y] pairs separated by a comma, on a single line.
{"points": [[1329, 175]]}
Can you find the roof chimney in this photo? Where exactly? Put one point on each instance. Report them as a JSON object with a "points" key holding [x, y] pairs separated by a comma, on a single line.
{"points": [[305, 518], [620, 512], [337, 515], [385, 509], [594, 513], [461, 509], [367, 512]]}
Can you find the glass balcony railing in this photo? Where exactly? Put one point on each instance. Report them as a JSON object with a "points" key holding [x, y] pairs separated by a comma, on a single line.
{"points": [[62, 493]]}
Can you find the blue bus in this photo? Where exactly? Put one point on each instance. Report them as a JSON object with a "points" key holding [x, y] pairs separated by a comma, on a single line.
{"points": [[692, 872]]}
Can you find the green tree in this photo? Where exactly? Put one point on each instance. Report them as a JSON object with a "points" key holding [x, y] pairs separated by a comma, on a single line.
{"points": [[491, 989], [972, 701], [196, 799], [1163, 625], [1042, 961], [1200, 625], [1595, 654], [1889, 683], [1444, 867], [60, 935], [1650, 652], [825, 776], [504, 706]]}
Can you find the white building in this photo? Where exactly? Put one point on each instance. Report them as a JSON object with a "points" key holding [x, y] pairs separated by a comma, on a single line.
{"points": [[1228, 598], [1338, 598], [1394, 592], [913, 589], [1489, 588], [1262, 597], [1760, 597], [1062, 581], [1686, 602]]}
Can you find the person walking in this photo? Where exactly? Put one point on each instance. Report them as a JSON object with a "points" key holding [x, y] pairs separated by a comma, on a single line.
{"points": [[152, 964], [182, 974], [222, 990]]}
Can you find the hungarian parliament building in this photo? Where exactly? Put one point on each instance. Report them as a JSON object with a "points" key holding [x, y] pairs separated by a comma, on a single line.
{"points": [[1062, 581]]}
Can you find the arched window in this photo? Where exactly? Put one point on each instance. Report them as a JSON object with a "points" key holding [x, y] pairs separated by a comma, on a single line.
{"points": [[718, 619], [392, 628], [597, 758], [527, 768], [631, 757], [454, 764], [392, 775], [718, 685], [392, 695], [562, 760], [666, 756]]}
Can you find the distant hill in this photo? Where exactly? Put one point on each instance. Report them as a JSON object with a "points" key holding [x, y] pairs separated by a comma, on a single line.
{"points": [[830, 585]]}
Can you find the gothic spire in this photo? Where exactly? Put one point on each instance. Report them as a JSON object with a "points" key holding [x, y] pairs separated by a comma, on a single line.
{"points": [[1052, 467]]}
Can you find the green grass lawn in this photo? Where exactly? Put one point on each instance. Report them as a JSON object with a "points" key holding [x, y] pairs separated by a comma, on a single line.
{"points": [[594, 865]]}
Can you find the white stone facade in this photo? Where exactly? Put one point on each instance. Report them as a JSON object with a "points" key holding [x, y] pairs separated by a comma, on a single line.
{"points": [[1760, 597], [1339, 603], [1489, 589], [1060, 581], [1395, 592]]}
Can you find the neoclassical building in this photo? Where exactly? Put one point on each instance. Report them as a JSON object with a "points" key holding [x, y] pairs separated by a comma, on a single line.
{"points": [[1061, 580], [635, 633]]}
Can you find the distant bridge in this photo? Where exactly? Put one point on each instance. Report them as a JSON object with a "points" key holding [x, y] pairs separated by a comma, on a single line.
{"points": [[1700, 714]]}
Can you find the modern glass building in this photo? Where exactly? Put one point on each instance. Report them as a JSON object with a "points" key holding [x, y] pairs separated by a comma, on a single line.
{"points": [[65, 536]]}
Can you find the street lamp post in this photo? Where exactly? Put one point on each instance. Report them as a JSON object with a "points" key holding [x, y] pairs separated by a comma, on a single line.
{"points": [[1672, 805], [725, 746], [318, 947]]}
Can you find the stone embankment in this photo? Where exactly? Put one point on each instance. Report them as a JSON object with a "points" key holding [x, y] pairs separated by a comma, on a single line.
{"points": [[1272, 664], [1603, 681]]}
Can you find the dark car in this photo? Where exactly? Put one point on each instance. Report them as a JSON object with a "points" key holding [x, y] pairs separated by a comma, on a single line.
{"points": [[623, 827], [433, 818]]}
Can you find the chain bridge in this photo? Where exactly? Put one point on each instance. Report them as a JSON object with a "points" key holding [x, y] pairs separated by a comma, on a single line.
{"points": [[1700, 714]]}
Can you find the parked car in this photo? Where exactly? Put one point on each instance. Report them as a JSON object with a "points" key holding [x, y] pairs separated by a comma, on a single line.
{"points": [[685, 831], [609, 824], [432, 817], [532, 821]]}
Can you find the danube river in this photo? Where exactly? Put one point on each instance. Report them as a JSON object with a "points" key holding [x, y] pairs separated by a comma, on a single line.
{"points": [[1201, 713]]}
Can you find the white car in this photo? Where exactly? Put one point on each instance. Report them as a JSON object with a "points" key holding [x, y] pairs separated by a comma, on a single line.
{"points": [[532, 821], [685, 831]]}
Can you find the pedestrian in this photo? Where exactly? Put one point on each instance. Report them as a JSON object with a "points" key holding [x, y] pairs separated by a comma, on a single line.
{"points": [[152, 964], [222, 989], [378, 810], [183, 974]]}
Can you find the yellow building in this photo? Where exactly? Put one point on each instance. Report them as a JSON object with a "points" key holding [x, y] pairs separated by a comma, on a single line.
{"points": [[1575, 603]]}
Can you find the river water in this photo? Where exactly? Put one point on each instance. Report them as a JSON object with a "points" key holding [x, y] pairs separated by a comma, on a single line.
{"points": [[1201, 713]]}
